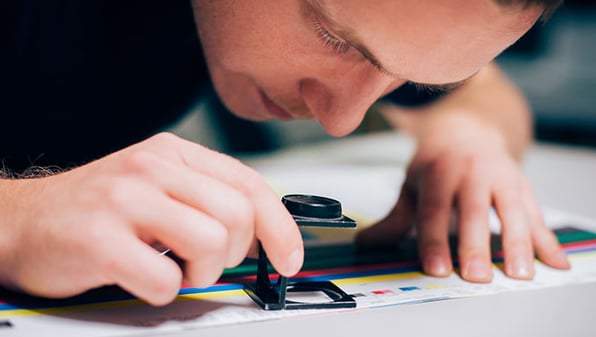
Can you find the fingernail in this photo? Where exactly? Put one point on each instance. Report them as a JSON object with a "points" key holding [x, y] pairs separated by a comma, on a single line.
{"points": [[477, 271], [520, 268], [294, 261], [436, 265], [563, 262]]}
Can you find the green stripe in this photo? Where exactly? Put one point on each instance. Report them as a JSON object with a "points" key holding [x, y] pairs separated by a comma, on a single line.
{"points": [[347, 255]]}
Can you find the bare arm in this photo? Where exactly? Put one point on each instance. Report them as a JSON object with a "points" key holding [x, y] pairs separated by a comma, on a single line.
{"points": [[489, 97]]}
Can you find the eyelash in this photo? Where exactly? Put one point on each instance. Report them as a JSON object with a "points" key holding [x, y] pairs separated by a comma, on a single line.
{"points": [[438, 90], [330, 41], [337, 45]]}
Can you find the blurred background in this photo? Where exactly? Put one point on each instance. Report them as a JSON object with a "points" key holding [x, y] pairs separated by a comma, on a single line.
{"points": [[554, 64]]}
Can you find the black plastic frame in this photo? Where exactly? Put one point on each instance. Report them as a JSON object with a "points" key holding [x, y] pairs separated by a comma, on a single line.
{"points": [[273, 296]]}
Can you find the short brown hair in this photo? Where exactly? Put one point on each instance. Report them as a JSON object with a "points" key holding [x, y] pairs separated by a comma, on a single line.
{"points": [[549, 6]]}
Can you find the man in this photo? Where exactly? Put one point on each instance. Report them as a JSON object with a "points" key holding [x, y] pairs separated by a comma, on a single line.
{"points": [[87, 83]]}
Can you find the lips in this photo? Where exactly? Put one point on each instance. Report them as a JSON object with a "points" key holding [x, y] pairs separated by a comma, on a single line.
{"points": [[273, 109]]}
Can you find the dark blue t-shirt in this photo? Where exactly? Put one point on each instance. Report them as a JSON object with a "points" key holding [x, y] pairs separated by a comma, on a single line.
{"points": [[80, 79]]}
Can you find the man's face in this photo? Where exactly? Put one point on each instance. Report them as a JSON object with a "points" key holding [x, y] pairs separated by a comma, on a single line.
{"points": [[330, 60]]}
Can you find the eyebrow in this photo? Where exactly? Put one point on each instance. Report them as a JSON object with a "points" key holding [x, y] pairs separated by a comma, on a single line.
{"points": [[350, 37]]}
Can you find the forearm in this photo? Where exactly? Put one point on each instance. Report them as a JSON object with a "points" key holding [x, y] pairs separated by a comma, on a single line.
{"points": [[488, 97], [8, 222]]}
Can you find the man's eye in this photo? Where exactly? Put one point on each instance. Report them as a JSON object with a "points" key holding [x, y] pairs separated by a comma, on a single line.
{"points": [[342, 47], [329, 40]]}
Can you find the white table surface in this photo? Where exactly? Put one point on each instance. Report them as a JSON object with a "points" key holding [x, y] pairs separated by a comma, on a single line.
{"points": [[563, 177]]}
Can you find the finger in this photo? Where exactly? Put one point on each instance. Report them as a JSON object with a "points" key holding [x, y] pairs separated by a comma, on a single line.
{"points": [[474, 234], [393, 227], [200, 240], [142, 271], [204, 193], [253, 251], [516, 235], [545, 241], [434, 211], [274, 226]]}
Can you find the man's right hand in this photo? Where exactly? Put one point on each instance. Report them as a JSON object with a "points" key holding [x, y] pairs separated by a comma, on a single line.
{"points": [[97, 224]]}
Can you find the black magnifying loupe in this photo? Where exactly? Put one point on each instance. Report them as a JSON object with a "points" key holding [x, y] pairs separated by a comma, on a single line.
{"points": [[311, 211], [316, 211]]}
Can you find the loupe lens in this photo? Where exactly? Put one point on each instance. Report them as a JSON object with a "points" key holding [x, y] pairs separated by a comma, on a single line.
{"points": [[312, 206]]}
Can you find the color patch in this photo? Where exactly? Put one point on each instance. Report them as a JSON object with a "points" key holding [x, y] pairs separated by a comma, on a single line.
{"points": [[408, 288], [382, 292]]}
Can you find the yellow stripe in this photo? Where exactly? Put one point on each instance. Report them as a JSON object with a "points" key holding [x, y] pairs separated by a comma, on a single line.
{"points": [[73, 308], [581, 255], [115, 304], [378, 278], [211, 295], [225, 293]]}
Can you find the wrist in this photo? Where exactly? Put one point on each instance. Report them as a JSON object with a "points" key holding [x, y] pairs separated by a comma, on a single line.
{"points": [[460, 130]]}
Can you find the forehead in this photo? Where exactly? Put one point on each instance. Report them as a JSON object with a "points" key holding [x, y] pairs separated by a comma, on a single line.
{"points": [[432, 41]]}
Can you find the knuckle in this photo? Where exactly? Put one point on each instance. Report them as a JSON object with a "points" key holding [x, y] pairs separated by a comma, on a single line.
{"points": [[512, 201], [432, 245], [215, 241], [468, 249], [471, 162], [475, 207], [109, 261], [235, 259], [140, 159], [88, 236], [143, 162], [474, 167], [163, 141], [515, 243], [119, 195], [439, 169], [164, 289], [511, 188], [430, 210], [250, 181], [242, 215], [165, 137]]}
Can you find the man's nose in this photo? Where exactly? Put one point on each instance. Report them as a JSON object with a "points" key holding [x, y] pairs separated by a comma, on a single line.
{"points": [[340, 102]]}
